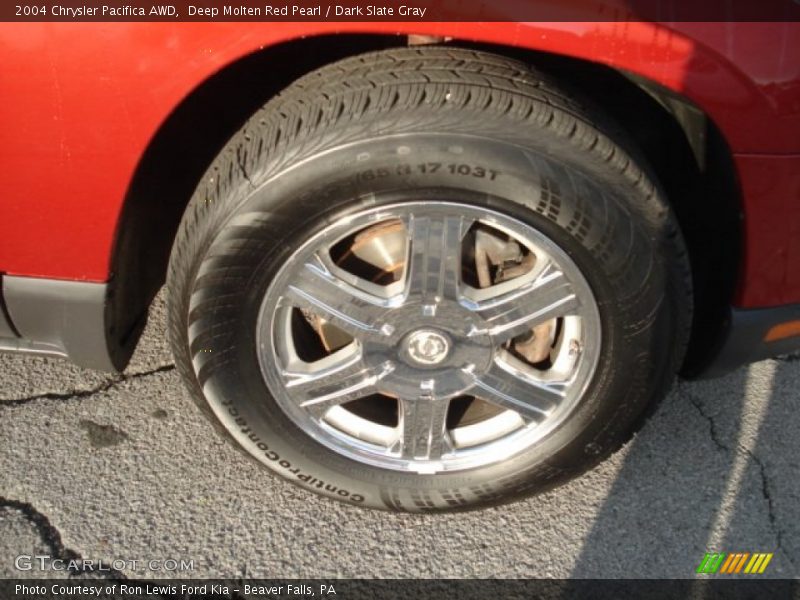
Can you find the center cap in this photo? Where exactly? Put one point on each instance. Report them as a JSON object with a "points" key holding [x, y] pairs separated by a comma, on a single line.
{"points": [[427, 347]]}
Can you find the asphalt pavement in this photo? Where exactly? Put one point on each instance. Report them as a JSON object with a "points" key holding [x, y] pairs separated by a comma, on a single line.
{"points": [[124, 468]]}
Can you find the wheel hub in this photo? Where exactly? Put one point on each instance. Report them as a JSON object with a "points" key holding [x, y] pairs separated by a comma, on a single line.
{"points": [[439, 353], [427, 347]]}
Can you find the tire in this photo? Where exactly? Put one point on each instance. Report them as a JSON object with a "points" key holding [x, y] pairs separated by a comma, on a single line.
{"points": [[429, 129]]}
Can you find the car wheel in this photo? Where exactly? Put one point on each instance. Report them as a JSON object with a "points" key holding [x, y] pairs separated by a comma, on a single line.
{"points": [[428, 279]]}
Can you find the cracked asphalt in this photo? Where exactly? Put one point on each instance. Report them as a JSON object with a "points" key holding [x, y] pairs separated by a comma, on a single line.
{"points": [[124, 468]]}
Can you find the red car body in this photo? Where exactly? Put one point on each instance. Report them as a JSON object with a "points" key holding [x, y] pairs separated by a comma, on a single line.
{"points": [[83, 102]]}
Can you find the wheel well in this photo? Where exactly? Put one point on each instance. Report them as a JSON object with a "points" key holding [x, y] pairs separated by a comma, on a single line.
{"points": [[699, 178], [178, 156], [693, 163]]}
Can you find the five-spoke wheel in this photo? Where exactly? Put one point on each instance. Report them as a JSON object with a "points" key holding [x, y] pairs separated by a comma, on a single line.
{"points": [[428, 336]]}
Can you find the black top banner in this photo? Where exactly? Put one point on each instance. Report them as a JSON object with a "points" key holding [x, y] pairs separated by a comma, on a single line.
{"points": [[402, 10]]}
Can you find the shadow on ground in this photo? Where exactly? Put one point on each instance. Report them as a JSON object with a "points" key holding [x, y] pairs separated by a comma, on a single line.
{"points": [[716, 470]]}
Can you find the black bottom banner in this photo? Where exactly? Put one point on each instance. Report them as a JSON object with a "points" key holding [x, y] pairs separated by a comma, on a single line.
{"points": [[80, 587]]}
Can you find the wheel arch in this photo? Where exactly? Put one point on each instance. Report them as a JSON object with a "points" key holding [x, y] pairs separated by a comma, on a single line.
{"points": [[683, 146]]}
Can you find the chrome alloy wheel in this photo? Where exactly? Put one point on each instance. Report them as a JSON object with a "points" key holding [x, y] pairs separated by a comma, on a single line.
{"points": [[428, 336]]}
